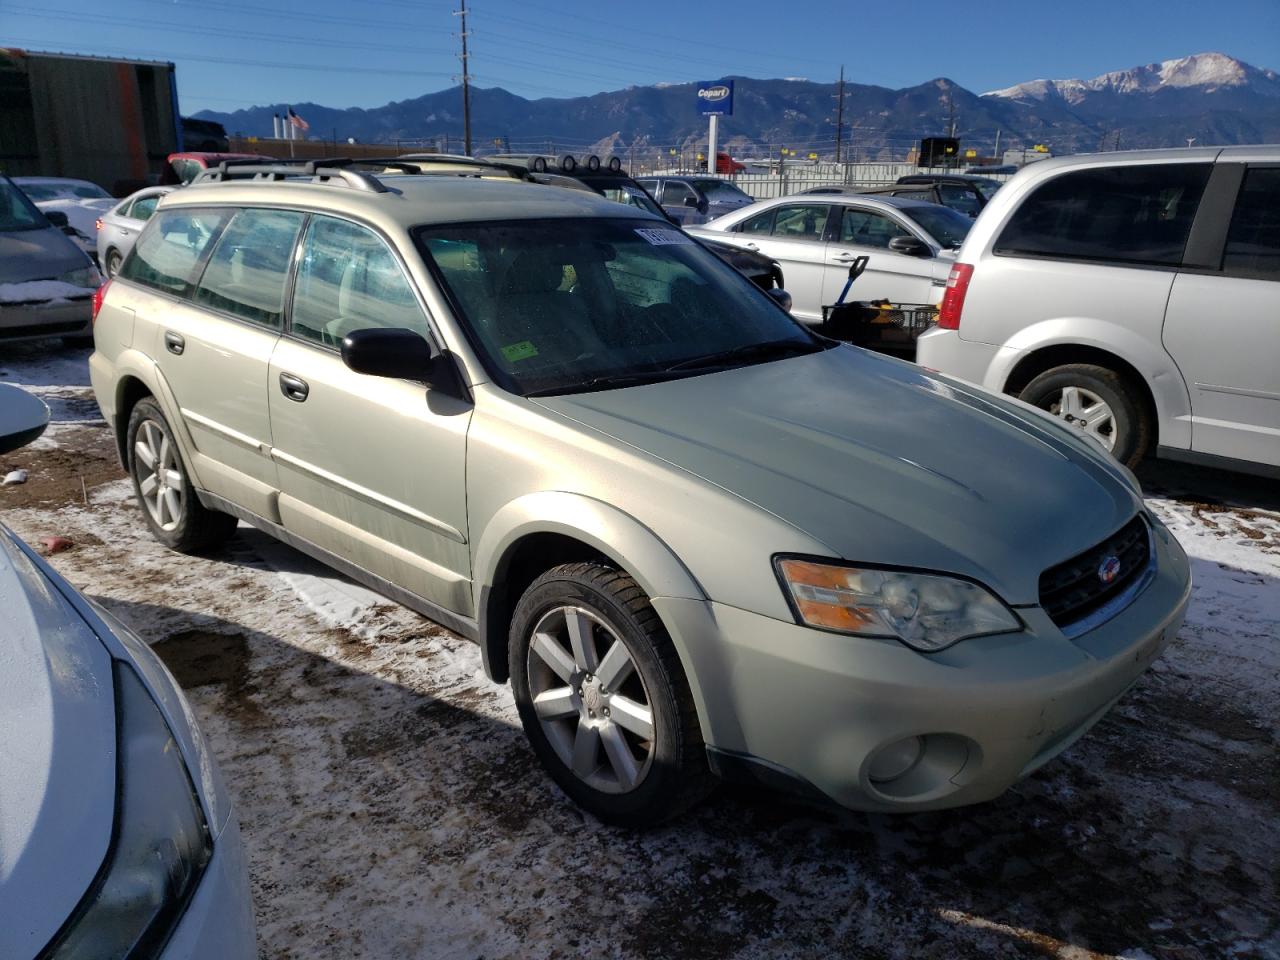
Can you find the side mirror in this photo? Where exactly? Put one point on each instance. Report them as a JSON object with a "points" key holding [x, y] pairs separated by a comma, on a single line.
{"points": [[23, 417], [58, 219], [909, 246], [389, 352], [781, 298], [692, 202]]}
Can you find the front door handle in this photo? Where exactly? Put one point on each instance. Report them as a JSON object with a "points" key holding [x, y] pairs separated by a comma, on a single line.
{"points": [[175, 343], [295, 388]]}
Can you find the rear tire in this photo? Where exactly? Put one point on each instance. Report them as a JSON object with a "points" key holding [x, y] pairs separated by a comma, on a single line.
{"points": [[112, 265], [163, 487], [1097, 402], [607, 709]]}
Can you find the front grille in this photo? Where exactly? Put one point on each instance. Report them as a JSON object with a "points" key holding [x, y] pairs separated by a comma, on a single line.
{"points": [[1074, 589]]}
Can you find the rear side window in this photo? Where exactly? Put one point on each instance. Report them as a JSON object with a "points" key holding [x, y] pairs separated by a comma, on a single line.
{"points": [[675, 193], [1135, 214], [349, 280], [144, 208], [247, 272], [760, 223], [167, 254], [1253, 239], [801, 222]]}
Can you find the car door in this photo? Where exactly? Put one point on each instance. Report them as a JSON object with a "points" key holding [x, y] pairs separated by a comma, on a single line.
{"points": [[1222, 328], [371, 469], [213, 337], [863, 231], [793, 234]]}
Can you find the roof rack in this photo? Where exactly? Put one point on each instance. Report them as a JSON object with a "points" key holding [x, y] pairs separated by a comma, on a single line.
{"points": [[323, 171]]}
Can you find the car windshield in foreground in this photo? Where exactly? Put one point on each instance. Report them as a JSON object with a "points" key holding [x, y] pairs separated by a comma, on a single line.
{"points": [[566, 306], [948, 227], [17, 212], [721, 191]]}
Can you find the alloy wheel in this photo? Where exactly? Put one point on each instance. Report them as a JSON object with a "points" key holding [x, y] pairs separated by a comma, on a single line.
{"points": [[1087, 412], [590, 699], [159, 473]]}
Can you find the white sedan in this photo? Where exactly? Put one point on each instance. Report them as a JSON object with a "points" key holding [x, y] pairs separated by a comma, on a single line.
{"points": [[81, 201], [814, 238]]}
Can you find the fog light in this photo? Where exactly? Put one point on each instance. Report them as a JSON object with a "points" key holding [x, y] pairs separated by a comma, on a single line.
{"points": [[895, 760]]}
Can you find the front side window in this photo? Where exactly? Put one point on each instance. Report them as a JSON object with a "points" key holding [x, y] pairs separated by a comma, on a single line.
{"points": [[247, 272], [144, 207], [801, 222], [864, 228], [557, 306], [947, 227], [1133, 214], [167, 254], [1253, 239], [348, 279], [675, 193]]}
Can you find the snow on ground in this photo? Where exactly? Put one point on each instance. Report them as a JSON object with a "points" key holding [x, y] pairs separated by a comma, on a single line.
{"points": [[391, 808]]}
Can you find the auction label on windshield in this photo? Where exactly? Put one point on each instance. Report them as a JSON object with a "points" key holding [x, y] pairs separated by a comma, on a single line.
{"points": [[661, 238], [519, 351]]}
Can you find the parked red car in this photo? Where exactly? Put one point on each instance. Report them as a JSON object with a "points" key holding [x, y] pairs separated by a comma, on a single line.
{"points": [[185, 167]]}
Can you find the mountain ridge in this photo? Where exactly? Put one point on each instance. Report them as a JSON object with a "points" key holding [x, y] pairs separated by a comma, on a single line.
{"points": [[1209, 97]]}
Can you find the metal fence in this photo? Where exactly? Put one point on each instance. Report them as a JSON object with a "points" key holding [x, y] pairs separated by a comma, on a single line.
{"points": [[775, 182]]}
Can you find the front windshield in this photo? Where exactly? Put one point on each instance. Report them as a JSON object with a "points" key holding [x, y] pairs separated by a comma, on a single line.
{"points": [[721, 191], [948, 227], [64, 190], [16, 211], [561, 306]]}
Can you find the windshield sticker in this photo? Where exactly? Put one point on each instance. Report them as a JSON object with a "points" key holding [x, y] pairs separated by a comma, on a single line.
{"points": [[660, 238], [519, 351]]}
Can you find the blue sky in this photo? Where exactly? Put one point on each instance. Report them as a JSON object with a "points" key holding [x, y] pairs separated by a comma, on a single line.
{"points": [[235, 53]]}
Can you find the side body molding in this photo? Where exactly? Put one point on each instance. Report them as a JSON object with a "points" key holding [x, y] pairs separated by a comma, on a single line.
{"points": [[625, 540]]}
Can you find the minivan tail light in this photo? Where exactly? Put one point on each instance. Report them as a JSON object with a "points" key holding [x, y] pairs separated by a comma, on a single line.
{"points": [[953, 298], [98, 296]]}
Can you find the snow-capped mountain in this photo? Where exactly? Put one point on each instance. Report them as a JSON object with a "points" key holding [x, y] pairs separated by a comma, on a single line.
{"points": [[1202, 72]]}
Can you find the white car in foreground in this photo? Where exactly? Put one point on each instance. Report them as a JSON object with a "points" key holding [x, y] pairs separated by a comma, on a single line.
{"points": [[117, 836], [81, 201], [910, 246]]}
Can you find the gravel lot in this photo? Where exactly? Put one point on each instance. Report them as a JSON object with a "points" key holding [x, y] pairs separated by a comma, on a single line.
{"points": [[391, 808]]}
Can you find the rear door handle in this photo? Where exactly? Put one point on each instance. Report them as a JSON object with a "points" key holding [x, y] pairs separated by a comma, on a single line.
{"points": [[295, 388], [175, 343]]}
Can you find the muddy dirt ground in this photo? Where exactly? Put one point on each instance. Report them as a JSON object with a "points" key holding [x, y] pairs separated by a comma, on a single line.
{"points": [[391, 808]]}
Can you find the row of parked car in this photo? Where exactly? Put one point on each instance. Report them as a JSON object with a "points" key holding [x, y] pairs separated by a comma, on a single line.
{"points": [[697, 538]]}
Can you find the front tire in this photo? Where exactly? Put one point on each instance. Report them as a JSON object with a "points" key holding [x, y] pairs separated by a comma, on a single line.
{"points": [[169, 502], [1098, 403], [603, 698]]}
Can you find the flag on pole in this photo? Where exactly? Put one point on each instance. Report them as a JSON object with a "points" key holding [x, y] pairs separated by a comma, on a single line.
{"points": [[297, 121]]}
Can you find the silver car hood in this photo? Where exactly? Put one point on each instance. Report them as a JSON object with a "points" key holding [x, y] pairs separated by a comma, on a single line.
{"points": [[37, 255], [57, 754], [880, 460]]}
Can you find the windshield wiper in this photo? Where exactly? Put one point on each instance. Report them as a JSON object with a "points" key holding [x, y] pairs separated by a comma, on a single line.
{"points": [[603, 383], [747, 351]]}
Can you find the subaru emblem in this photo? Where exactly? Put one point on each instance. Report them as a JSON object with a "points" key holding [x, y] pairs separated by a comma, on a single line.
{"points": [[1109, 569]]}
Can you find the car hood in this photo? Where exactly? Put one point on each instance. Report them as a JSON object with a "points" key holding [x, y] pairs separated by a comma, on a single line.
{"points": [[57, 753], [37, 255], [881, 461]]}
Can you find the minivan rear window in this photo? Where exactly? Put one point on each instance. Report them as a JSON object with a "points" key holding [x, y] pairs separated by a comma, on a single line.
{"points": [[1131, 214], [1253, 240]]}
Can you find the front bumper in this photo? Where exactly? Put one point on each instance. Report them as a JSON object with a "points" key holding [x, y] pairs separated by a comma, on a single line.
{"points": [[54, 318], [218, 923], [817, 707]]}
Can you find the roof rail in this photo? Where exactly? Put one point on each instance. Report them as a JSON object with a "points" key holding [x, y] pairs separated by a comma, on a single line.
{"points": [[321, 171]]}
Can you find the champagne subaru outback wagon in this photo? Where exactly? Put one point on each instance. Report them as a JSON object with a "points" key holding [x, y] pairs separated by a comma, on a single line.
{"points": [[696, 538]]}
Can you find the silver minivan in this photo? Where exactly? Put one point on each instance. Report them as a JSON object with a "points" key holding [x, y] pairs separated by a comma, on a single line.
{"points": [[694, 536], [1136, 296]]}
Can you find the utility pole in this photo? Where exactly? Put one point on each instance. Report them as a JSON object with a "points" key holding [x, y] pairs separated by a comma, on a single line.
{"points": [[466, 80], [997, 150], [840, 113], [951, 113]]}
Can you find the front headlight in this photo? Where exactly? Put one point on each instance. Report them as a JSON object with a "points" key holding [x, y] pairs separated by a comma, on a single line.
{"points": [[925, 611], [160, 847], [83, 277]]}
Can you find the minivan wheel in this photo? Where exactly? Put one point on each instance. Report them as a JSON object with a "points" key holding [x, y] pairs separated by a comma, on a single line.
{"points": [[169, 503], [1098, 403], [112, 265], [602, 696]]}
